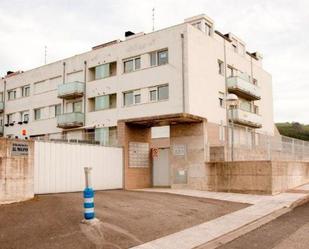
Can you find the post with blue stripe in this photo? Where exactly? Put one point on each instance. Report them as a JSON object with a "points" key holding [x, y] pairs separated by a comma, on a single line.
{"points": [[88, 196]]}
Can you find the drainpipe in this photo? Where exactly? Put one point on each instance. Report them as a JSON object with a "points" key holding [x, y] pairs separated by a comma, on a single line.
{"points": [[85, 93], [226, 93], [183, 72], [63, 81], [3, 115]]}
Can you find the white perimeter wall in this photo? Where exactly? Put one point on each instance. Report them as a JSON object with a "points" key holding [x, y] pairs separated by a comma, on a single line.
{"points": [[59, 167]]}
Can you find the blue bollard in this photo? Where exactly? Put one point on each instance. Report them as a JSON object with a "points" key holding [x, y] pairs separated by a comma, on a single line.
{"points": [[88, 203]]}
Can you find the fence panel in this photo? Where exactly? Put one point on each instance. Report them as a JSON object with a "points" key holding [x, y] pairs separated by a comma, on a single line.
{"points": [[59, 167]]}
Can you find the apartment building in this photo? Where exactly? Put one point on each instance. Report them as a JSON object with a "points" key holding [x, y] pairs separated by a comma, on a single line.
{"points": [[187, 68]]}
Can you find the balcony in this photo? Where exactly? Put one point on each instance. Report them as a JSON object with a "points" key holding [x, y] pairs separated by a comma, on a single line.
{"points": [[1, 106], [243, 88], [245, 118], [71, 90], [70, 120]]}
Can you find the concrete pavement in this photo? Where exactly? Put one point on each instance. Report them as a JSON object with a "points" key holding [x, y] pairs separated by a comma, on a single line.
{"points": [[213, 233], [288, 231]]}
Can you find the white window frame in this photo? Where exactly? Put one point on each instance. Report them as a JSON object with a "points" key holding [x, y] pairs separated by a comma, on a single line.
{"points": [[24, 91], [156, 56], [134, 64], [156, 88], [12, 91]]}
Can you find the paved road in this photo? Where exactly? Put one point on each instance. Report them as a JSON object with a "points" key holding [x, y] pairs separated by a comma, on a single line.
{"points": [[290, 231]]}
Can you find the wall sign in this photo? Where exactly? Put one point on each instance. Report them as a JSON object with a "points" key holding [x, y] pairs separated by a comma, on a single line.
{"points": [[19, 149], [179, 150]]}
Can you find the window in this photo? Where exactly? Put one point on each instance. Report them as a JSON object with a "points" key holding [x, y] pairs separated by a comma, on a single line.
{"points": [[106, 136], [163, 92], [24, 116], [137, 98], [162, 57], [153, 59], [137, 63], [103, 71], [245, 105], [37, 114], [221, 99], [77, 106], [12, 94], [128, 66], [9, 118], [220, 67], [256, 109], [231, 71], [153, 95], [159, 58], [128, 98], [58, 109], [132, 65], [101, 102], [132, 98], [26, 91], [255, 82]]}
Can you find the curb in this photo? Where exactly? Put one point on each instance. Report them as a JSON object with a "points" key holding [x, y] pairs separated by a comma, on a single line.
{"points": [[224, 239]]}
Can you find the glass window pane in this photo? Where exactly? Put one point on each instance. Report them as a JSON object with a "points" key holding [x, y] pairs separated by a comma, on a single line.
{"points": [[128, 98], [26, 117], [137, 63], [77, 107], [37, 114], [162, 92], [101, 102], [58, 109], [102, 135], [153, 95], [128, 66], [137, 98], [162, 57], [153, 59], [102, 71]]}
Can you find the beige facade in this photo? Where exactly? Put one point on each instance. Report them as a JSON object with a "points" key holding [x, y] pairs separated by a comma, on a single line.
{"points": [[187, 68]]}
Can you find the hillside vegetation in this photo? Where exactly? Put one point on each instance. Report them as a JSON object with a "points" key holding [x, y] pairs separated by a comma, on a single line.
{"points": [[294, 129]]}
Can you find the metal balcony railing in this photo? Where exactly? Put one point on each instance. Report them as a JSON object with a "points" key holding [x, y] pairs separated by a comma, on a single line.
{"points": [[71, 90], [71, 120]]}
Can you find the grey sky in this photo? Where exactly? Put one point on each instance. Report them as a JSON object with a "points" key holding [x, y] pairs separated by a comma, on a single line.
{"points": [[278, 29]]}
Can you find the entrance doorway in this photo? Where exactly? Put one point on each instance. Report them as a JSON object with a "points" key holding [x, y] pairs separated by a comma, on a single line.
{"points": [[161, 169]]}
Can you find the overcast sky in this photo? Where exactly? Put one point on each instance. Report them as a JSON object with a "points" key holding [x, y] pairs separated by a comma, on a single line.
{"points": [[276, 28]]}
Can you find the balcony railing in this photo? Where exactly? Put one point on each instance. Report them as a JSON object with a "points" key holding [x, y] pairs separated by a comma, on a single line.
{"points": [[71, 90], [243, 88], [71, 120], [245, 118], [1, 106]]}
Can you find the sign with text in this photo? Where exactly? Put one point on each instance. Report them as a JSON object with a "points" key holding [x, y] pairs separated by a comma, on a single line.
{"points": [[19, 149], [179, 150]]}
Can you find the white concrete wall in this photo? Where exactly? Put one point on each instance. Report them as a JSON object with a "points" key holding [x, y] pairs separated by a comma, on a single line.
{"points": [[59, 167], [202, 80]]}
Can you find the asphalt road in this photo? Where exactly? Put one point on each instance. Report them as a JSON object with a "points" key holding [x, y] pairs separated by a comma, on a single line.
{"points": [[128, 219], [290, 231]]}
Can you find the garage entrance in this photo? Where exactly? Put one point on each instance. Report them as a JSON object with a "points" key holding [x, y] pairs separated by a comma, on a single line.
{"points": [[161, 169]]}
